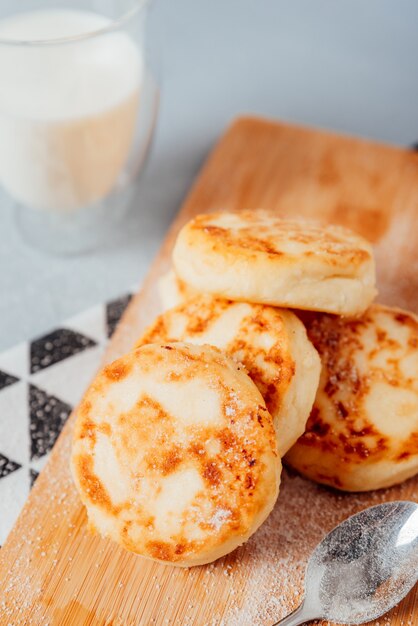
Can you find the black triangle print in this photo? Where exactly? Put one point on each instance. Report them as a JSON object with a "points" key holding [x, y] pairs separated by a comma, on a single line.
{"points": [[55, 347], [7, 466], [33, 475], [48, 415], [7, 379], [114, 311]]}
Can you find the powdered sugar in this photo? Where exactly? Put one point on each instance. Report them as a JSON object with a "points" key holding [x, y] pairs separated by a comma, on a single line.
{"points": [[219, 518]]}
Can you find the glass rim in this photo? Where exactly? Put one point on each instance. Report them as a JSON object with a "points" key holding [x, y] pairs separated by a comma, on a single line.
{"points": [[114, 25]]}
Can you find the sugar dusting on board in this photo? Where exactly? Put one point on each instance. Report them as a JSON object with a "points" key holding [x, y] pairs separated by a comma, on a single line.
{"points": [[35, 548]]}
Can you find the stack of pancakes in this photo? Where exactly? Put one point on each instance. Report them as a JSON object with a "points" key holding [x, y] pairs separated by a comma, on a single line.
{"points": [[178, 444]]}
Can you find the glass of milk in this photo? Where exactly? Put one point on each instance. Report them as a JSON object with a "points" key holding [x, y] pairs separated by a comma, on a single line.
{"points": [[78, 104]]}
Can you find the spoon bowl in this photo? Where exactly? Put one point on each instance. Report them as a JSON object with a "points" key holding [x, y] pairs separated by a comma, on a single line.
{"points": [[362, 568]]}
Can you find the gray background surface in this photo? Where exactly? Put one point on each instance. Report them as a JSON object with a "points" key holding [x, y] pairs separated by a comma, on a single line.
{"points": [[349, 65]]}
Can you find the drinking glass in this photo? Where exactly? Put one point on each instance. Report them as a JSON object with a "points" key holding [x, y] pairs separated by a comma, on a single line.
{"points": [[78, 107]]}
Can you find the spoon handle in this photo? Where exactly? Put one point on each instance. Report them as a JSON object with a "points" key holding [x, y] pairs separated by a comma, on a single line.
{"points": [[300, 616]]}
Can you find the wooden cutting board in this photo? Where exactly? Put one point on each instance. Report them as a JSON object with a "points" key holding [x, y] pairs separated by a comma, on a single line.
{"points": [[53, 571]]}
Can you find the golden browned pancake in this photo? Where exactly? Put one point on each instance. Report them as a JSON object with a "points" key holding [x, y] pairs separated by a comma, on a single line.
{"points": [[270, 342], [363, 430], [175, 455], [258, 257]]}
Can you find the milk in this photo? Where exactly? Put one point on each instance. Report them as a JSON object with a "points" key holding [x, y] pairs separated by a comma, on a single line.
{"points": [[68, 111]]}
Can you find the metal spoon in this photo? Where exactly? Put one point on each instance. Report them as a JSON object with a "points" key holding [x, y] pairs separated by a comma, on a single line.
{"points": [[362, 568]]}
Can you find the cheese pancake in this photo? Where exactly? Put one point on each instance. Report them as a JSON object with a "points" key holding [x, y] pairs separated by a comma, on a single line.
{"points": [[175, 455], [258, 257], [363, 430], [270, 342]]}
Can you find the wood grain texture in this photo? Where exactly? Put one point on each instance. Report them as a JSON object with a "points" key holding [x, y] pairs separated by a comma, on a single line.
{"points": [[52, 571]]}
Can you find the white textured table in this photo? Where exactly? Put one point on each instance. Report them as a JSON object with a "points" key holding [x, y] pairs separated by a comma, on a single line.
{"points": [[348, 65]]}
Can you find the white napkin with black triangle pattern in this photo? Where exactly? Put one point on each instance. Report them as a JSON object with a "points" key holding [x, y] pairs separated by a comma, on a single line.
{"points": [[40, 382]]}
